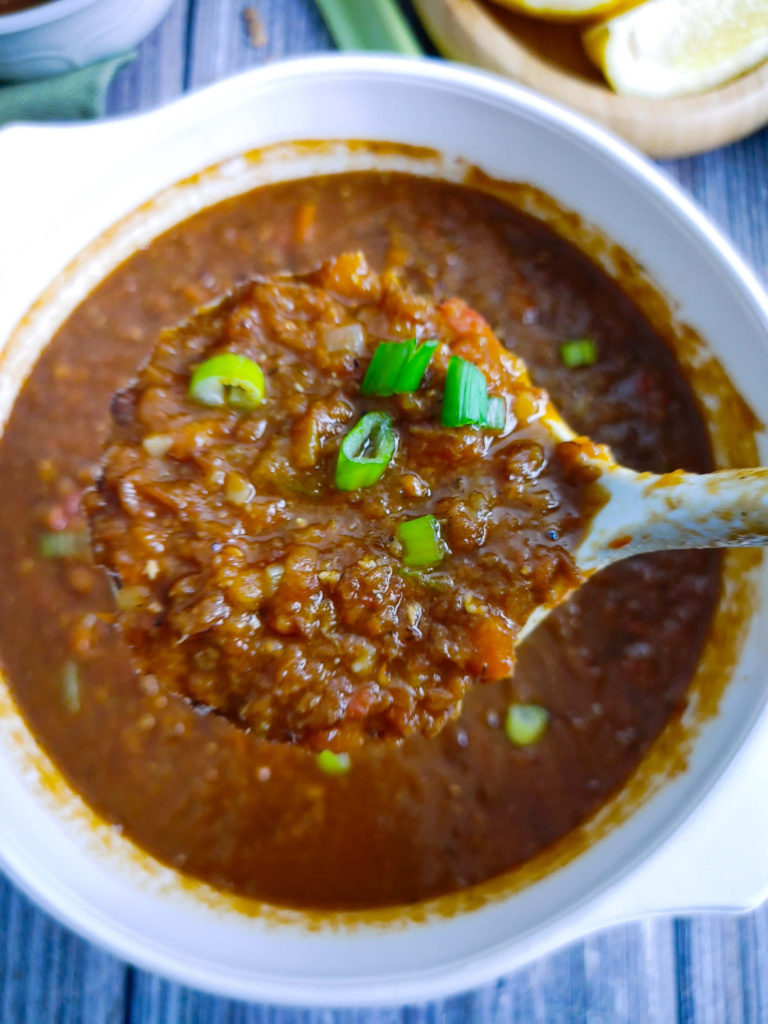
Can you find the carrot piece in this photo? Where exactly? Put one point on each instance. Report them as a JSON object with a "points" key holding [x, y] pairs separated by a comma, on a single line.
{"points": [[493, 656], [304, 223]]}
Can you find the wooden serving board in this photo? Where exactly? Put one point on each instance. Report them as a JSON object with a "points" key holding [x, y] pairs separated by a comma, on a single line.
{"points": [[550, 59]]}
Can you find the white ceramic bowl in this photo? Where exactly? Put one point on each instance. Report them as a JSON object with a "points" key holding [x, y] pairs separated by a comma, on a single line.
{"points": [[63, 35], [701, 840]]}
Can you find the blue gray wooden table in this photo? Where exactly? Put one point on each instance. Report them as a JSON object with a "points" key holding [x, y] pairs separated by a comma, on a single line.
{"points": [[708, 970]]}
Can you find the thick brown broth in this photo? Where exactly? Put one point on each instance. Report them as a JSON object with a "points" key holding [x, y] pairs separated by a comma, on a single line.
{"points": [[432, 815]]}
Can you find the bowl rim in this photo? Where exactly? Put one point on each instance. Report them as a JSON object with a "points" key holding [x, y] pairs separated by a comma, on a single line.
{"points": [[43, 14], [427, 982]]}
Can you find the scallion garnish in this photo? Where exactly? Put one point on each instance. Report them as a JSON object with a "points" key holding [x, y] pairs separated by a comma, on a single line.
{"points": [[525, 724], [397, 367], [381, 376], [70, 686], [415, 366], [365, 452], [330, 763], [496, 419], [578, 352], [421, 541], [228, 379], [465, 400], [63, 543]]}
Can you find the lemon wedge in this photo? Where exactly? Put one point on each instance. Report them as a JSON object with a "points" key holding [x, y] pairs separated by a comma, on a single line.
{"points": [[666, 48], [566, 10]]}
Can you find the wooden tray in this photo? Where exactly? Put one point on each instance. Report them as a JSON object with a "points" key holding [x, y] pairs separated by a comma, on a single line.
{"points": [[550, 59]]}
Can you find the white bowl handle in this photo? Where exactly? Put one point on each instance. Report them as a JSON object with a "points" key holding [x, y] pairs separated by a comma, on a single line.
{"points": [[33, 156], [55, 198], [48, 169], [716, 860]]}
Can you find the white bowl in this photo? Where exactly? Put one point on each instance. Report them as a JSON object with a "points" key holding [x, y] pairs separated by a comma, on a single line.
{"points": [[698, 840], [63, 35]]}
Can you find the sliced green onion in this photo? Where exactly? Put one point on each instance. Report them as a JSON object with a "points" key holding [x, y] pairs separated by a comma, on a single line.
{"points": [[381, 376], [437, 581], [415, 366], [465, 401], [525, 724], [421, 541], [63, 543], [496, 419], [70, 686], [228, 379], [369, 25], [365, 452], [333, 764], [579, 352], [397, 367]]}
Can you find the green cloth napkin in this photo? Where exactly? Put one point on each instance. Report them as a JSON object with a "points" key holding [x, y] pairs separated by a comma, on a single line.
{"points": [[70, 97]]}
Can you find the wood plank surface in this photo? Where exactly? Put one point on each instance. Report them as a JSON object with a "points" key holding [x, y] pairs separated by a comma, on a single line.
{"points": [[709, 969]]}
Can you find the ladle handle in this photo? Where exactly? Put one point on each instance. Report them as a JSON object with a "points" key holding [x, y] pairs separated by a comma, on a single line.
{"points": [[645, 512]]}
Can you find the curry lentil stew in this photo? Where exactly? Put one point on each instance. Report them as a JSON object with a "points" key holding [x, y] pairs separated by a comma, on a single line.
{"points": [[267, 574], [11, 6], [530, 757]]}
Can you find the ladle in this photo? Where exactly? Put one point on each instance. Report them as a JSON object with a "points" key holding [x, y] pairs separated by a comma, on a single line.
{"points": [[645, 512]]}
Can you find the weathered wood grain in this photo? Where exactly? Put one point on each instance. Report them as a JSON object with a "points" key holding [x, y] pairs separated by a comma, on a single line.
{"points": [[158, 75], [753, 929], [711, 979], [219, 42], [732, 186], [702, 970], [47, 974]]}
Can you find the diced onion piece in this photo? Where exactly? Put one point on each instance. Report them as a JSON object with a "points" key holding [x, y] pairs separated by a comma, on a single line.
{"points": [[238, 489], [578, 352], [275, 572], [349, 338], [157, 445], [365, 452], [397, 367], [421, 541], [128, 599], [330, 763], [365, 657], [465, 401], [525, 724], [228, 379]]}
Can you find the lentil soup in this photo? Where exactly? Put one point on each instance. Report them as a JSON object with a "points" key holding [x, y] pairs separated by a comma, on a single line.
{"points": [[396, 823]]}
